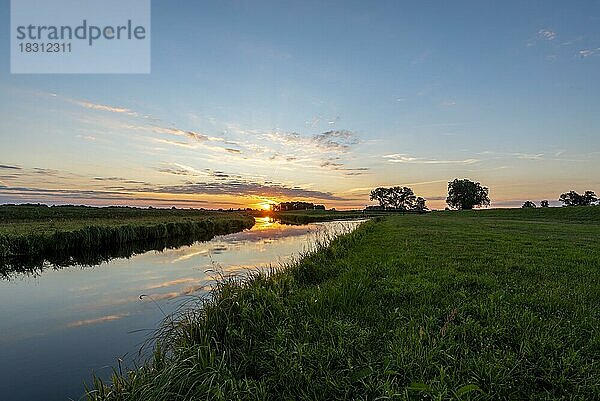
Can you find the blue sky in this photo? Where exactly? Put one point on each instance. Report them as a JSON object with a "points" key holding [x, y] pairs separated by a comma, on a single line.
{"points": [[250, 102]]}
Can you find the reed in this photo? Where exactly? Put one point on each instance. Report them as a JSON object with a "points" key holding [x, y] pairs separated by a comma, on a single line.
{"points": [[32, 238]]}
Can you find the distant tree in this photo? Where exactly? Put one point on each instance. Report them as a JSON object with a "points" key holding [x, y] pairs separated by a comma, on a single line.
{"points": [[420, 205], [398, 198], [528, 205], [544, 203], [287, 206], [589, 198], [465, 194], [572, 198]]}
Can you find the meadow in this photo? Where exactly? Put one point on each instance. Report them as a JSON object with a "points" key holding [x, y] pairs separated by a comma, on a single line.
{"points": [[486, 305], [65, 235]]}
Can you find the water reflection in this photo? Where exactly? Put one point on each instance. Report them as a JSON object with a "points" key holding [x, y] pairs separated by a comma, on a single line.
{"points": [[57, 327]]}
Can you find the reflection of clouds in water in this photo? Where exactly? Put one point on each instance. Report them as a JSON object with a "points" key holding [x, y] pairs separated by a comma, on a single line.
{"points": [[203, 252], [172, 283], [276, 231], [264, 247], [175, 294], [87, 322], [218, 249], [264, 232]]}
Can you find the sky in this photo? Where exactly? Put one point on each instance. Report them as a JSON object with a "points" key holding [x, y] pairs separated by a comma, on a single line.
{"points": [[252, 102]]}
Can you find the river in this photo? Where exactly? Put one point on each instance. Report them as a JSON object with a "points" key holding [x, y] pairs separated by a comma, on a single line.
{"points": [[59, 326]]}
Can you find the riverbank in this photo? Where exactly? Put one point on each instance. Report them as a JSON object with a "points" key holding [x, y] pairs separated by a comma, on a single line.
{"points": [[64, 235], [479, 305]]}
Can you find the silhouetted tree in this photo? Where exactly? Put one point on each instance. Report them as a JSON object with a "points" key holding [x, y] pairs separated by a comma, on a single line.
{"points": [[402, 198], [465, 194], [380, 195], [528, 205], [572, 198], [398, 198], [286, 206], [544, 203], [420, 204]]}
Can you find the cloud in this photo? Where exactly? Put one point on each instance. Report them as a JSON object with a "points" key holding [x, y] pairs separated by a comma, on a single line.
{"points": [[329, 141], [543, 34], [243, 188], [31, 194], [120, 180], [195, 136], [336, 166], [528, 156], [336, 140], [588, 52], [87, 137], [404, 158], [102, 107], [516, 155], [546, 34], [187, 171], [7, 167]]}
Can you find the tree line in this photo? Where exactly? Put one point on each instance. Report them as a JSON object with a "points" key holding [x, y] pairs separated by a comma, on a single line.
{"points": [[287, 206], [463, 194], [571, 198]]}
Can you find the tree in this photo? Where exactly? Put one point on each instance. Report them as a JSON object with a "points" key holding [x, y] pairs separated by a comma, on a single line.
{"points": [[398, 198], [381, 196], [572, 198], [528, 205], [589, 198], [420, 205], [544, 203], [402, 198], [465, 194]]}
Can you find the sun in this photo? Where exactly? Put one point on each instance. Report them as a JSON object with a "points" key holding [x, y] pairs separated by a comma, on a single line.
{"points": [[266, 204]]}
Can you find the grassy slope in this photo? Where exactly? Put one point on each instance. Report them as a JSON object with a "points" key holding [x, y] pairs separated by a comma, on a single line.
{"points": [[35, 230], [415, 306]]}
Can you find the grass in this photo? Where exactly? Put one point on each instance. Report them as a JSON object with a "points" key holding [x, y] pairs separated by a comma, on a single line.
{"points": [[482, 305], [64, 235]]}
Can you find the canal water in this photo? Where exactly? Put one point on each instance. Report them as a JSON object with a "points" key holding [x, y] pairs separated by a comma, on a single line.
{"points": [[60, 325]]}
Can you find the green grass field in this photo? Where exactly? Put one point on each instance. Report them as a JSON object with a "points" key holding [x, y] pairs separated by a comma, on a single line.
{"points": [[30, 234], [489, 305]]}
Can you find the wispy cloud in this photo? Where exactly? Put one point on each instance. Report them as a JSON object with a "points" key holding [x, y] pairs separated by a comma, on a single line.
{"points": [[404, 158], [329, 141], [336, 166], [244, 188], [546, 34], [589, 52], [102, 107], [7, 167], [542, 35]]}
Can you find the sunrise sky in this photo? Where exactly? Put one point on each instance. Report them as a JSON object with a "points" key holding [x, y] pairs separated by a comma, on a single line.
{"points": [[252, 101]]}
